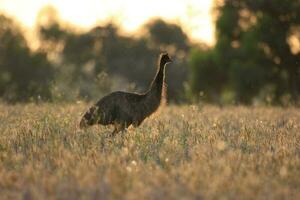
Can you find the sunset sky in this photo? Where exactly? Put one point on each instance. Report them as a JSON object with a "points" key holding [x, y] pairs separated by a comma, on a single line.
{"points": [[193, 15]]}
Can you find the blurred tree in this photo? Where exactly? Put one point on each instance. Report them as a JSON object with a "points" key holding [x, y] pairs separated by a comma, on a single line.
{"points": [[206, 77], [24, 75], [277, 22], [256, 48], [167, 35]]}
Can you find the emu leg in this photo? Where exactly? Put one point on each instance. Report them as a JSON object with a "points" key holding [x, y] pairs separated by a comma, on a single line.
{"points": [[136, 123], [118, 128]]}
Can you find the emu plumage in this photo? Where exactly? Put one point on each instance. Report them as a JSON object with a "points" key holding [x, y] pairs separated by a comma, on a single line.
{"points": [[123, 109]]}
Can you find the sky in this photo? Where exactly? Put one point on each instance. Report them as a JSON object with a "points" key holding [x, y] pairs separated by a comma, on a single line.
{"points": [[193, 15]]}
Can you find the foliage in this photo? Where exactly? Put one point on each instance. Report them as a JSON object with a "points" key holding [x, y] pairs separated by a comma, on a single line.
{"points": [[166, 34], [184, 153], [256, 48], [24, 75], [206, 77]]}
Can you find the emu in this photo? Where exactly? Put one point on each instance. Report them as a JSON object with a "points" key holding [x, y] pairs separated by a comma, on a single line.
{"points": [[123, 109]]}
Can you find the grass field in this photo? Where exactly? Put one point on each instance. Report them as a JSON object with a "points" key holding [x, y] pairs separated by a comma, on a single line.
{"points": [[188, 152]]}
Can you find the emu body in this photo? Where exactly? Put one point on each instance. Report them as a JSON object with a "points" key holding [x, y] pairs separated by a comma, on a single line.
{"points": [[123, 109]]}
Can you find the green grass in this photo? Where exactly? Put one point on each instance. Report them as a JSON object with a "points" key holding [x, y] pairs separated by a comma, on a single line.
{"points": [[186, 152]]}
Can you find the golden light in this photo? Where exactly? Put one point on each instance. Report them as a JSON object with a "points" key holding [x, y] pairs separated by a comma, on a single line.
{"points": [[193, 15]]}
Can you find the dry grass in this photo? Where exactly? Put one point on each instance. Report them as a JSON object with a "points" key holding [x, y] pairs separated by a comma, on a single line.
{"points": [[185, 152]]}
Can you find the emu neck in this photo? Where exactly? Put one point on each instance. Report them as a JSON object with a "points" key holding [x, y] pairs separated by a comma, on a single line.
{"points": [[153, 96], [158, 82]]}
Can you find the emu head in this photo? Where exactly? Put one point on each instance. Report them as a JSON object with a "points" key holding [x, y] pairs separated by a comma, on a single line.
{"points": [[164, 58]]}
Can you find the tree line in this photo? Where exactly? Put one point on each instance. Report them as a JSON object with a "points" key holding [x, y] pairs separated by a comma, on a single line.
{"points": [[256, 57], [68, 64]]}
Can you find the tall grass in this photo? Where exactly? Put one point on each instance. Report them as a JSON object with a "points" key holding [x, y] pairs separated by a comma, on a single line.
{"points": [[186, 152]]}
